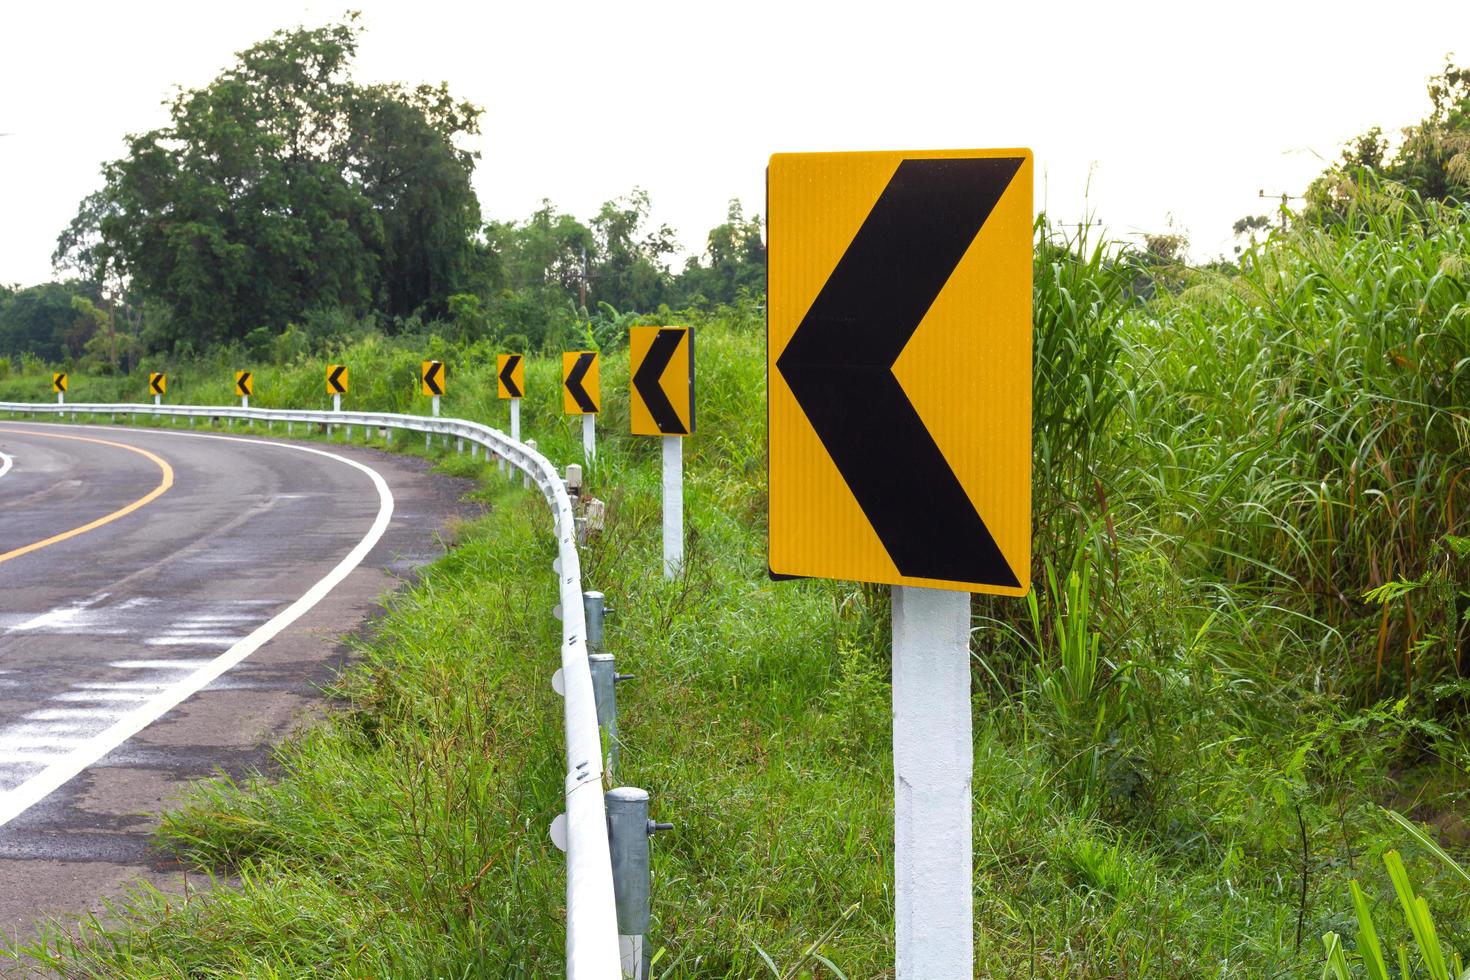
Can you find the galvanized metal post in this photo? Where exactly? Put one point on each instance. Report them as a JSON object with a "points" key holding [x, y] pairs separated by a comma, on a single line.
{"points": [[604, 692], [336, 407], [526, 477], [933, 765], [594, 611], [589, 438], [673, 506], [157, 400], [628, 830]]}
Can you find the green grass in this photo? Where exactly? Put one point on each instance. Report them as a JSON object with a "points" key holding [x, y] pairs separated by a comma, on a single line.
{"points": [[1183, 747]]}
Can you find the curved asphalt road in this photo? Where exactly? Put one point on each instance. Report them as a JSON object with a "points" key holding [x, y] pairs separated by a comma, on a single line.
{"points": [[133, 560]]}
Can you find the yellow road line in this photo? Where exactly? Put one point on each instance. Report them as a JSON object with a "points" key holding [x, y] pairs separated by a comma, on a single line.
{"points": [[164, 484]]}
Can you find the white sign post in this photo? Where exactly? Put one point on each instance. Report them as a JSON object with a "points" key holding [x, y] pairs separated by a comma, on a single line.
{"points": [[515, 430], [673, 505], [435, 410], [933, 763], [589, 439]]}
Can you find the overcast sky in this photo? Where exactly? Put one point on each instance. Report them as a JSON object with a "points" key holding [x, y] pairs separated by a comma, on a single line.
{"points": [[1146, 114]]}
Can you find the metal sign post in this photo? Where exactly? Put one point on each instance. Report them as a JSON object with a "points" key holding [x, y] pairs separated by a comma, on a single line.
{"points": [[515, 428], [933, 759], [673, 506], [589, 439]]}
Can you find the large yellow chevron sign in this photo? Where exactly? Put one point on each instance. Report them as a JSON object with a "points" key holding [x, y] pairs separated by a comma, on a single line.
{"points": [[899, 365]]}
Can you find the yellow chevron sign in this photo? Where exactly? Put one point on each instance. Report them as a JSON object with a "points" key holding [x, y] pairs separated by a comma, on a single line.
{"points": [[661, 381], [431, 375], [244, 384], [58, 382], [899, 367], [581, 382]]}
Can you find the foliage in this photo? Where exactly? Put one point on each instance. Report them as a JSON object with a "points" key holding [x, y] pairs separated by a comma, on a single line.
{"points": [[1431, 158], [281, 187], [1437, 962], [43, 320]]}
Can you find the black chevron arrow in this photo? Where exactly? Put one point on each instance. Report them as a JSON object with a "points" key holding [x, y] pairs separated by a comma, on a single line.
{"points": [[153, 382], [335, 379], [647, 381], [574, 383], [431, 377], [839, 363], [507, 375], [242, 383]]}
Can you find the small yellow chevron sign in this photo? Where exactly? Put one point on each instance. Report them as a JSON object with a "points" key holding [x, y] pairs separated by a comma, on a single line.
{"points": [[336, 379], [581, 383], [58, 382], [432, 376], [510, 377], [661, 377], [244, 384], [157, 383]]}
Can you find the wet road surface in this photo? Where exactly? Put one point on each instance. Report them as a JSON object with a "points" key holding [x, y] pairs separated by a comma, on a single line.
{"points": [[143, 577]]}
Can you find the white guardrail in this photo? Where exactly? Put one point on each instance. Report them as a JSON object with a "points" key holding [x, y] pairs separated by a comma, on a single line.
{"points": [[592, 929]]}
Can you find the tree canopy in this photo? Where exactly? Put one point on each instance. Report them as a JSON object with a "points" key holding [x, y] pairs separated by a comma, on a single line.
{"points": [[1430, 158], [281, 187]]}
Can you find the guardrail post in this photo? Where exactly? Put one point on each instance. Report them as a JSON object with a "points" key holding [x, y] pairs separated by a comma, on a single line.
{"points": [[604, 693], [526, 477], [594, 611], [628, 832]]}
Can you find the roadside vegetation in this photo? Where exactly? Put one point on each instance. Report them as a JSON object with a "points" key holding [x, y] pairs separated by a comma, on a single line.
{"points": [[1228, 734], [1243, 654]]}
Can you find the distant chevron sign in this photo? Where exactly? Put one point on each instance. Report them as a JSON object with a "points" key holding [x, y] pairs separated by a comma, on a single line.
{"points": [[510, 378], [432, 376], [581, 383], [662, 381]]}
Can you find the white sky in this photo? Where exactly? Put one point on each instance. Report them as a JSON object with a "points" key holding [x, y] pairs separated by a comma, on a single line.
{"points": [[1138, 111]]}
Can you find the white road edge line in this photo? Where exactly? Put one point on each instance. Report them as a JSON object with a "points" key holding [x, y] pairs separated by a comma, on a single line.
{"points": [[16, 801], [5, 462]]}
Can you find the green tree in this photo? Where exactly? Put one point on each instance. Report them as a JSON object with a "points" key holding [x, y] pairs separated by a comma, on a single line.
{"points": [[630, 270], [43, 320], [1432, 157], [282, 186], [736, 254]]}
